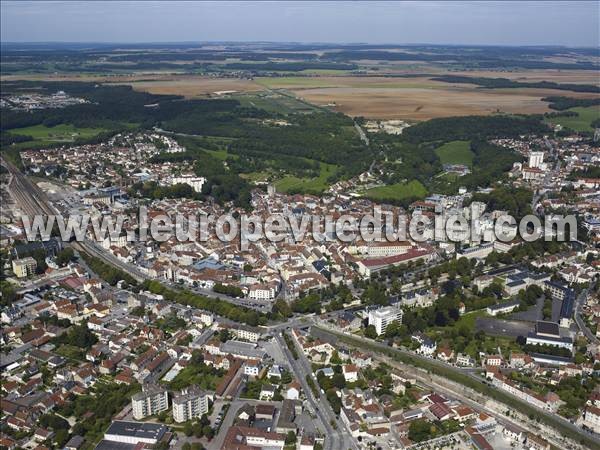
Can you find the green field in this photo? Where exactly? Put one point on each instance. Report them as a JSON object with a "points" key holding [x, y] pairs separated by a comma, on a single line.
{"points": [[582, 122], [455, 152], [307, 185], [58, 133], [220, 154], [398, 191], [469, 318]]}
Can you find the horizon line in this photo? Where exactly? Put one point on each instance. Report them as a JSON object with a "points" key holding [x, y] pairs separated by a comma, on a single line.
{"points": [[8, 42]]}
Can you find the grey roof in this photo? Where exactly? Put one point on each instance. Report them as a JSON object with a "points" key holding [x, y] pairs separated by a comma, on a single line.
{"points": [[503, 305], [188, 394], [564, 340], [558, 359], [242, 349], [75, 442], [114, 445], [141, 430], [148, 391], [544, 327]]}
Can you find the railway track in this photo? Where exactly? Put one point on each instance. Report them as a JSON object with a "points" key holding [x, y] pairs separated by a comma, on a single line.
{"points": [[33, 201]]}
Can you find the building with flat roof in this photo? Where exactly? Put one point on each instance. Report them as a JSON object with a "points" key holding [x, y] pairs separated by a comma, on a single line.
{"points": [[243, 350], [135, 432], [382, 317], [23, 267], [548, 333], [503, 308], [152, 400], [189, 404]]}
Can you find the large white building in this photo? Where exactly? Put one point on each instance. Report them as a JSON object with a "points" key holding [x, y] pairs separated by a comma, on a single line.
{"points": [[547, 333], [133, 433], [152, 400], [536, 159], [195, 182], [189, 404], [245, 333], [382, 317], [263, 291]]}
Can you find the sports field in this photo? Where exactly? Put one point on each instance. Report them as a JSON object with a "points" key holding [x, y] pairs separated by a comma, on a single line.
{"points": [[455, 152], [398, 191]]}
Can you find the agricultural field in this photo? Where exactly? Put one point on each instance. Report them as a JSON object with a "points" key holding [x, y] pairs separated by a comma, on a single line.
{"points": [[456, 152], [398, 191], [580, 123], [412, 103], [190, 86], [419, 97]]}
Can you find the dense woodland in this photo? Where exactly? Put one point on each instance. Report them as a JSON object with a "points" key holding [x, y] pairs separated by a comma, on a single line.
{"points": [[506, 83], [563, 103]]}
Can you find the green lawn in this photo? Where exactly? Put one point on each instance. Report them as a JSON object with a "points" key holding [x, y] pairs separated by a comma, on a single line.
{"points": [[582, 122], [220, 154], [469, 318], [455, 152], [307, 185], [398, 191], [58, 133]]}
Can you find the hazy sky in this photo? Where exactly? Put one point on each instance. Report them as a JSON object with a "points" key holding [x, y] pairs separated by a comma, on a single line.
{"points": [[513, 23]]}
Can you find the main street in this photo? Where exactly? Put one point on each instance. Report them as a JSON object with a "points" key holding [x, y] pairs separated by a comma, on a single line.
{"points": [[581, 299], [335, 439]]}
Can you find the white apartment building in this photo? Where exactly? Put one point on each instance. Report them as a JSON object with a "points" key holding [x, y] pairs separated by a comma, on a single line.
{"points": [[252, 367], [195, 182], [152, 400], [591, 418], [382, 317], [536, 159], [263, 291], [207, 319], [189, 404], [246, 334], [24, 267]]}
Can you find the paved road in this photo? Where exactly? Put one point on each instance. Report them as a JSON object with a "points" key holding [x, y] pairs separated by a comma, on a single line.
{"points": [[363, 137], [333, 438], [579, 320]]}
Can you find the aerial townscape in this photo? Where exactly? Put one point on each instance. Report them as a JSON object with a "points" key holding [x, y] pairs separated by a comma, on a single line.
{"points": [[123, 331]]}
